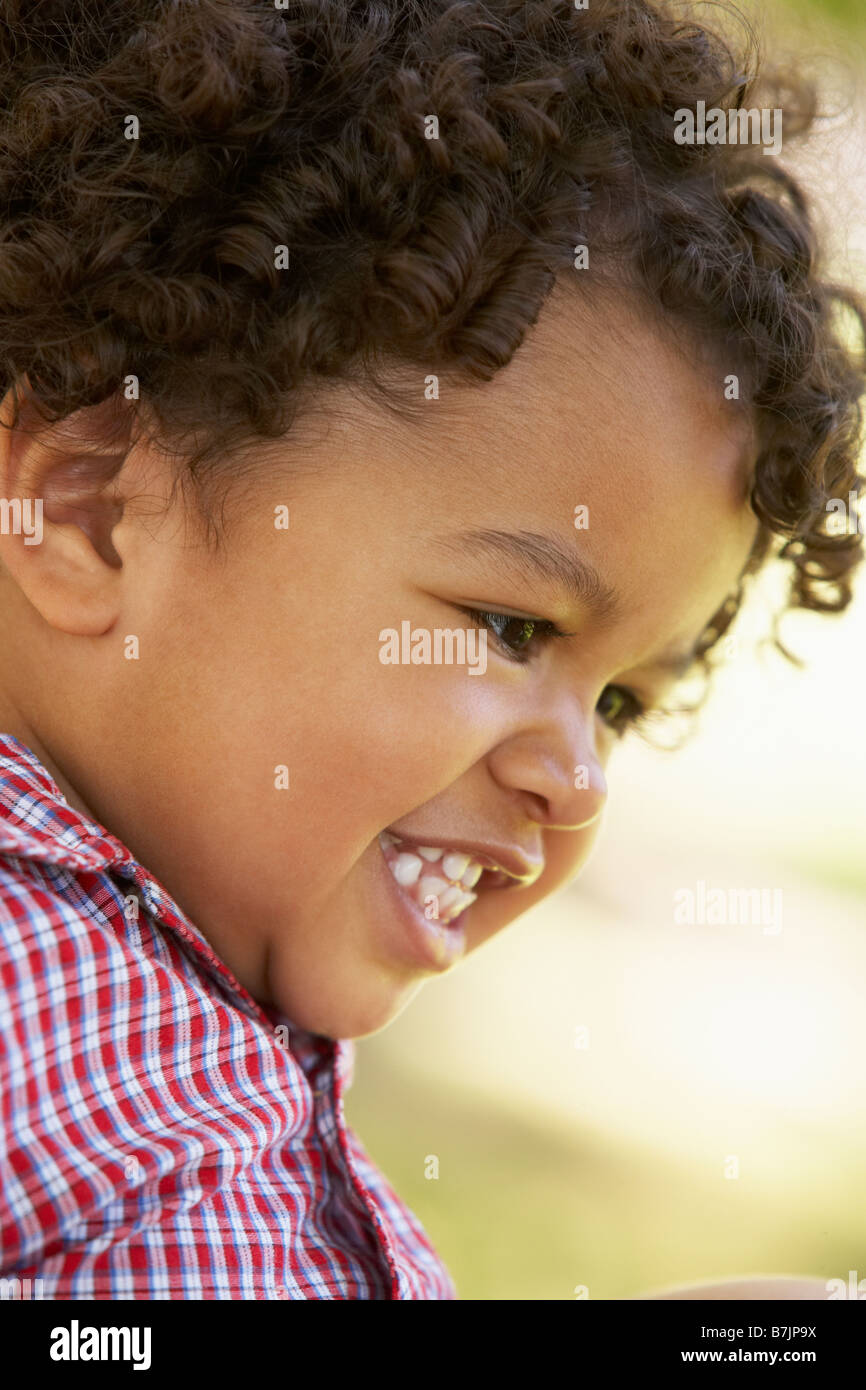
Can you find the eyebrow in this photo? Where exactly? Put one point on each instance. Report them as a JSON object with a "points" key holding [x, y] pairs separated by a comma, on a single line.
{"points": [[548, 558]]}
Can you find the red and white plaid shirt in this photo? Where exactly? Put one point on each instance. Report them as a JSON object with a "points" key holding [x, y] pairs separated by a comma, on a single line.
{"points": [[161, 1134]]}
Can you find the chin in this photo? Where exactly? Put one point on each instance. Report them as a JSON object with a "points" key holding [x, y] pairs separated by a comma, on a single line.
{"points": [[360, 1016]]}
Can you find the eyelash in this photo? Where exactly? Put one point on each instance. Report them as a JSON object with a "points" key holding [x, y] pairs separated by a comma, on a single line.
{"points": [[636, 715]]}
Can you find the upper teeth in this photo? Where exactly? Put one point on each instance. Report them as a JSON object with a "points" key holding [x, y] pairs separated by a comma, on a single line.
{"points": [[454, 866], [406, 868]]}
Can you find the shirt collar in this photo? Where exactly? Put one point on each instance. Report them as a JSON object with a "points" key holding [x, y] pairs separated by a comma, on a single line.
{"points": [[38, 823]]}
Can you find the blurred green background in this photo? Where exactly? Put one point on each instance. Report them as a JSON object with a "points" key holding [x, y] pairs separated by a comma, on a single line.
{"points": [[604, 1164]]}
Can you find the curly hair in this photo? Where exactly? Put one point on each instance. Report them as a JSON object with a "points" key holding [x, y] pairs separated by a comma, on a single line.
{"points": [[303, 125]]}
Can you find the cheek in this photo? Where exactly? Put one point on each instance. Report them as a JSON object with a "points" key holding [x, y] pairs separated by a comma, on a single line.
{"points": [[368, 743]]}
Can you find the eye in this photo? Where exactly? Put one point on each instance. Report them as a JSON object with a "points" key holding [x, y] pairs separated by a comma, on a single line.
{"points": [[515, 635], [620, 709]]}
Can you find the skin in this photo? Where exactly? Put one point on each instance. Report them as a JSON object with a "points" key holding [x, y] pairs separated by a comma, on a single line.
{"points": [[267, 652]]}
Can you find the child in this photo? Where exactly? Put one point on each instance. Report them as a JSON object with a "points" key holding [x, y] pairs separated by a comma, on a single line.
{"points": [[396, 401]]}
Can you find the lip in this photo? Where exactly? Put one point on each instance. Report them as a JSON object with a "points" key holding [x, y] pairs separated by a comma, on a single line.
{"points": [[423, 943], [518, 868]]}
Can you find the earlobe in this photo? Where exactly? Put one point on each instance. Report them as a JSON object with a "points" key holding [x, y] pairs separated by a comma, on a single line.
{"points": [[58, 509]]}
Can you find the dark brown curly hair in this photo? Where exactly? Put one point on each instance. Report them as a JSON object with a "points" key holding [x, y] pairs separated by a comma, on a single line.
{"points": [[301, 124]]}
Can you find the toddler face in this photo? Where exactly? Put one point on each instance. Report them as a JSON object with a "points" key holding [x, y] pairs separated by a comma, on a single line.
{"points": [[293, 649]]}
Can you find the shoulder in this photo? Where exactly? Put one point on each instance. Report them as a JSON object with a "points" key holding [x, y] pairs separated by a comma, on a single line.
{"points": [[54, 931]]}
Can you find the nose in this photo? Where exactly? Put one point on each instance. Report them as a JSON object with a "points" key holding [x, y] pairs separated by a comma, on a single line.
{"points": [[554, 768]]}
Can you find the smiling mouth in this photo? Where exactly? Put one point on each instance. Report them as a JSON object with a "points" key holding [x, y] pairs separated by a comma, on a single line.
{"points": [[439, 881]]}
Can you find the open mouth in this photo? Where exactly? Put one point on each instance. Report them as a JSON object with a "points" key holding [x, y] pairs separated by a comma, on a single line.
{"points": [[441, 882]]}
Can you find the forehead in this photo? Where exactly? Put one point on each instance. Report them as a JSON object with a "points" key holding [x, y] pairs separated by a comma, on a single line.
{"points": [[600, 392], [603, 410]]}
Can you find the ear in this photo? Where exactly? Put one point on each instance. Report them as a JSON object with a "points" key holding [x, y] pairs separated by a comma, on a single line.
{"points": [[59, 503]]}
